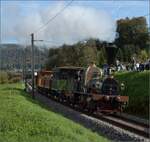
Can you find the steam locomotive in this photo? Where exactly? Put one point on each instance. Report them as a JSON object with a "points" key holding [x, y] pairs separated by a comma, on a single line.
{"points": [[83, 88]]}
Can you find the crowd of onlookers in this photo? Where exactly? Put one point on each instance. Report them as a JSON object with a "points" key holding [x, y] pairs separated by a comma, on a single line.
{"points": [[136, 66], [133, 66]]}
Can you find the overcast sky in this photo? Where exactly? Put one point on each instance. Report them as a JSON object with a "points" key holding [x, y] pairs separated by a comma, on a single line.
{"points": [[79, 21]]}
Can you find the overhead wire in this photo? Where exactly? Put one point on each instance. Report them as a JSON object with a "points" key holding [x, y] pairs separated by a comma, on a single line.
{"points": [[52, 18], [58, 13]]}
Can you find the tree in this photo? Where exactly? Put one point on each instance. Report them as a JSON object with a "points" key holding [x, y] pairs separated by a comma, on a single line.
{"points": [[133, 36], [119, 55], [79, 54], [101, 57], [52, 58], [143, 56], [132, 31]]}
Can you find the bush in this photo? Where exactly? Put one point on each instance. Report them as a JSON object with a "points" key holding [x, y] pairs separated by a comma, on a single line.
{"points": [[14, 80], [9, 77], [137, 88], [3, 77]]}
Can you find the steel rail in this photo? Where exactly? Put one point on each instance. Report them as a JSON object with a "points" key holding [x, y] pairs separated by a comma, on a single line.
{"points": [[134, 126]]}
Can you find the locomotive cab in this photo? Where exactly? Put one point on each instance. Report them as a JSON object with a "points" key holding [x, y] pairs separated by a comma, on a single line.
{"points": [[68, 79]]}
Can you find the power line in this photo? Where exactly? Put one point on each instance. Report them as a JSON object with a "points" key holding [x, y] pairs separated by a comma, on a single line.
{"points": [[52, 18], [51, 41]]}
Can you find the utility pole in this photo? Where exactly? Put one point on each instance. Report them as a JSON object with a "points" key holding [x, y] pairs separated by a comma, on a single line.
{"points": [[25, 68], [32, 49], [1, 58], [23, 62]]}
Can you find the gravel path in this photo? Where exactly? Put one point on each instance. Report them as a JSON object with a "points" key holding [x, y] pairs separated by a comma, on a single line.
{"points": [[103, 128]]}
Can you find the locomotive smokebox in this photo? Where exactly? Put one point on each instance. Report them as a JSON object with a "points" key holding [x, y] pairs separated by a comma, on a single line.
{"points": [[111, 52]]}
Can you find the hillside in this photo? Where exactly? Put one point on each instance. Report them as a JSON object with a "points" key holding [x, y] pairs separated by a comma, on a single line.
{"points": [[25, 120], [13, 56], [137, 88]]}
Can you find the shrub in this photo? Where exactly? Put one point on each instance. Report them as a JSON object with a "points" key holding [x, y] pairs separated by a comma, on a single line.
{"points": [[9, 77], [3, 77], [137, 88], [14, 80]]}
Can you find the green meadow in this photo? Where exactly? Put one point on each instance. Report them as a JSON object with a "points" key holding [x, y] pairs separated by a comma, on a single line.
{"points": [[25, 120]]}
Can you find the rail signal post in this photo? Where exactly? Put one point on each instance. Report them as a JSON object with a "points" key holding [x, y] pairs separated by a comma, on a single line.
{"points": [[32, 50]]}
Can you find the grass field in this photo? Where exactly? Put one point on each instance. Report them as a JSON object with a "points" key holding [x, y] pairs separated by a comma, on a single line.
{"points": [[25, 120], [137, 88]]}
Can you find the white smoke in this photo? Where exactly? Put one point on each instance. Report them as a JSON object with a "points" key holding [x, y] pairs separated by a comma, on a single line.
{"points": [[74, 24]]}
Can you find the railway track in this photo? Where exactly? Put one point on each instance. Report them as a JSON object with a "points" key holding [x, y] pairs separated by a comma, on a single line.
{"points": [[132, 125], [127, 124]]}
